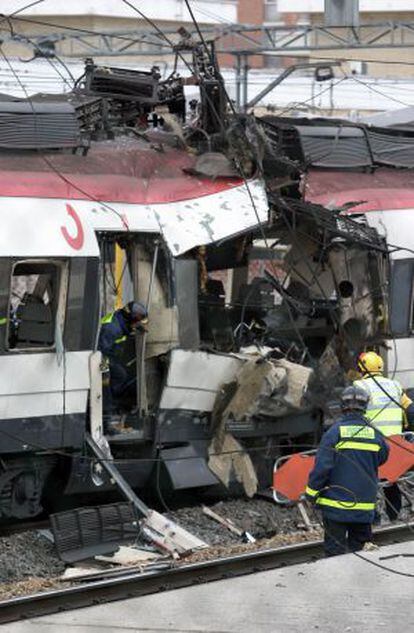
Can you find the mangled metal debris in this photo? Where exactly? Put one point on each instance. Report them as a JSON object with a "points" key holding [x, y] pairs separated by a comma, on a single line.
{"points": [[95, 531]]}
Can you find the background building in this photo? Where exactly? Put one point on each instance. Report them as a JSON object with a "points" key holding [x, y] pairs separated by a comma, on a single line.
{"points": [[372, 61]]}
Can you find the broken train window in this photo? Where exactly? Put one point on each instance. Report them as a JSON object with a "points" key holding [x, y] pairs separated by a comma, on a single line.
{"points": [[34, 304]]}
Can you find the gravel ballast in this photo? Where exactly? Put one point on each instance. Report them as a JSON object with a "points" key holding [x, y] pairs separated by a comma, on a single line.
{"points": [[28, 554], [28, 560]]}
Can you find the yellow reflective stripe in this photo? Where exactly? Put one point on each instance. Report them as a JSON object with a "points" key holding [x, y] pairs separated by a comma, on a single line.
{"points": [[120, 339], [344, 505], [354, 430], [3, 321], [311, 492], [359, 446], [107, 318], [389, 414], [390, 429]]}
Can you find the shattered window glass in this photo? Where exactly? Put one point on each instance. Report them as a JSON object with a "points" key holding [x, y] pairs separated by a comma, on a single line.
{"points": [[34, 294]]}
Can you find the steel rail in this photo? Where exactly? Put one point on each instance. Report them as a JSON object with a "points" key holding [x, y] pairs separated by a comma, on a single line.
{"points": [[6, 529], [133, 584]]}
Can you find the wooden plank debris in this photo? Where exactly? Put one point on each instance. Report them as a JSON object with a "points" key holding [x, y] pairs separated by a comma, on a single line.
{"points": [[228, 523]]}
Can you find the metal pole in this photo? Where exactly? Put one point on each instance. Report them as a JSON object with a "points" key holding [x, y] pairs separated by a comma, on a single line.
{"points": [[283, 76], [245, 81], [238, 82], [142, 404]]}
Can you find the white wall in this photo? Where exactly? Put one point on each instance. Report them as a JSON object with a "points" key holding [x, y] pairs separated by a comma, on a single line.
{"points": [[206, 11], [317, 6]]}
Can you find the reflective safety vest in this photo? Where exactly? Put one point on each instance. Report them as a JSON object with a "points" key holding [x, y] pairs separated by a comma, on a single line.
{"points": [[108, 318], [343, 482], [384, 410]]}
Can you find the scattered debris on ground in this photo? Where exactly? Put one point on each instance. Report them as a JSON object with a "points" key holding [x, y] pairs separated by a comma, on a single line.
{"points": [[29, 563], [258, 517]]}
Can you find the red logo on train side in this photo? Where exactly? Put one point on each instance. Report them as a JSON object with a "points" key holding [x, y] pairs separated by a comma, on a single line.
{"points": [[76, 241]]}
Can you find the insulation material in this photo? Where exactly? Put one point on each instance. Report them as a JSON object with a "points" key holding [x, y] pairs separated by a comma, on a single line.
{"points": [[229, 458], [268, 388]]}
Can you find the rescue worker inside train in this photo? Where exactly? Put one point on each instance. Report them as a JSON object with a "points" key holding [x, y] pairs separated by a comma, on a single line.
{"points": [[389, 410], [344, 481], [117, 328]]}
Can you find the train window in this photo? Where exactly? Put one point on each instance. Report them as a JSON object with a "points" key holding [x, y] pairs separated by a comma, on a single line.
{"points": [[35, 292]]}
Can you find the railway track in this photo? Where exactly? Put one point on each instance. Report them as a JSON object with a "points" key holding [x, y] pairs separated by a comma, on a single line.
{"points": [[23, 526], [129, 583]]}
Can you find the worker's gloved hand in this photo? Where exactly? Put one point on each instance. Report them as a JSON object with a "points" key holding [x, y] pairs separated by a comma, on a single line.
{"points": [[104, 365]]}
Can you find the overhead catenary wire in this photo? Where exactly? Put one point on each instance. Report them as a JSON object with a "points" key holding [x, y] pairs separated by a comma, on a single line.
{"points": [[50, 62], [4, 18], [382, 60], [375, 90], [80, 30]]}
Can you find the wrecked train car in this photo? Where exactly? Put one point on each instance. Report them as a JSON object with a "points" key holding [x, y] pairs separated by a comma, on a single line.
{"points": [[174, 229], [385, 201], [217, 379], [233, 369]]}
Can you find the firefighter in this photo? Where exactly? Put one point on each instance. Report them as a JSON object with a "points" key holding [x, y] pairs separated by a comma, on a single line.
{"points": [[344, 480], [387, 410], [116, 327]]}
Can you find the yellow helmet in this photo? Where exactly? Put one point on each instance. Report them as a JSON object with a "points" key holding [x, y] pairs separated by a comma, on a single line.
{"points": [[370, 363]]}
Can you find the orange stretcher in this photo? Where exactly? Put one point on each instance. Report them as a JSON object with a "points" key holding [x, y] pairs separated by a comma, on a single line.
{"points": [[291, 472]]}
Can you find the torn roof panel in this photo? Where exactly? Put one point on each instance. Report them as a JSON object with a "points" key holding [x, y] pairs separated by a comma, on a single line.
{"points": [[383, 189], [120, 185], [64, 227], [124, 170]]}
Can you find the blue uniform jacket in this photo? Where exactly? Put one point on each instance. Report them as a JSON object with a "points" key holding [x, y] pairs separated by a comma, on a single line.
{"points": [[344, 480], [112, 332]]}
